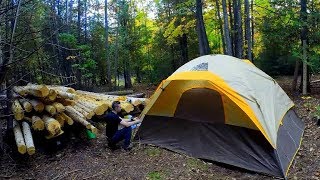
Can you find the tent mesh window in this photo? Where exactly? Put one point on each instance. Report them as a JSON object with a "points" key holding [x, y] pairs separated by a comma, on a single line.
{"points": [[200, 67]]}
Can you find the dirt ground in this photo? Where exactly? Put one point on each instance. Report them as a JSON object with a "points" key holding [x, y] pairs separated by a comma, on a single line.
{"points": [[80, 158]]}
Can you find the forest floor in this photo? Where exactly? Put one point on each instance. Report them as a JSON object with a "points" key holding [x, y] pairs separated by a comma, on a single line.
{"points": [[79, 158]]}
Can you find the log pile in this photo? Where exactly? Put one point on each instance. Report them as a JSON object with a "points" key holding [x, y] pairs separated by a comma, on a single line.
{"points": [[50, 108]]}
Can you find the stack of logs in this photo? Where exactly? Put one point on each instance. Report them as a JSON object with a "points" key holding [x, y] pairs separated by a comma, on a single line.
{"points": [[50, 108]]}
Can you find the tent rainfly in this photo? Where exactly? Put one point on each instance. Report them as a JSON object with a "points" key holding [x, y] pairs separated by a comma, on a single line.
{"points": [[224, 109]]}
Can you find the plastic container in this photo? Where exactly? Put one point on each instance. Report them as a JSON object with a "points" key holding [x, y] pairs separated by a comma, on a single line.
{"points": [[90, 134]]}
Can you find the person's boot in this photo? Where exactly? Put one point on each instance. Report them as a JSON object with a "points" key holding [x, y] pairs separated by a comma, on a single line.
{"points": [[113, 146], [127, 148]]}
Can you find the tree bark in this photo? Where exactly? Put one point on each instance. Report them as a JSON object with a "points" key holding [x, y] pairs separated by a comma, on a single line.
{"points": [[221, 27], [85, 20], [107, 43], [79, 21], [248, 29], [201, 31], [183, 40], [304, 41], [238, 28], [252, 28], [226, 29], [232, 33]]}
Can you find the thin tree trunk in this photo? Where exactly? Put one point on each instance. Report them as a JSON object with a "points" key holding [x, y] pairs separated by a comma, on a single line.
{"points": [[252, 29], [232, 38], [248, 29], [183, 40], [221, 28], [79, 21], [304, 40], [4, 69], [201, 31], [85, 20], [238, 28], [295, 76], [66, 15], [226, 29], [70, 15], [117, 50], [107, 43]]}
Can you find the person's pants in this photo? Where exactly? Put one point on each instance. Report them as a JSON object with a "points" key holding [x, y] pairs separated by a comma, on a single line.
{"points": [[124, 133]]}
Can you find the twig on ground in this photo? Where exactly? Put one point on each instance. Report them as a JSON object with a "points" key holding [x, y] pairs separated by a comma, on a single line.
{"points": [[94, 175], [65, 174]]}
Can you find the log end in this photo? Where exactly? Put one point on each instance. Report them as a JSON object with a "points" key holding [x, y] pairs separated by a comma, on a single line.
{"points": [[19, 116], [22, 149], [31, 150], [38, 125], [99, 110]]}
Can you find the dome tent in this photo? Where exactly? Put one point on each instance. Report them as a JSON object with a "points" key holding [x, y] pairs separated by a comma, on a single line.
{"points": [[223, 109]]}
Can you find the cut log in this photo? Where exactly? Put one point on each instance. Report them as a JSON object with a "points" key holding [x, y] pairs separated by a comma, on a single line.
{"points": [[66, 102], [27, 119], [50, 136], [124, 100], [28, 138], [98, 109], [67, 95], [83, 112], [37, 123], [20, 90], [52, 125], [137, 95], [22, 149], [17, 110], [94, 129], [120, 93], [37, 90], [63, 88], [67, 118], [50, 109], [60, 119], [59, 107], [52, 95], [27, 106], [76, 116], [91, 111], [37, 105], [71, 109]]}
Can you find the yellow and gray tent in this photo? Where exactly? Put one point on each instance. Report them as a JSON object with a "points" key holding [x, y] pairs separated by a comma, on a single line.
{"points": [[224, 109]]}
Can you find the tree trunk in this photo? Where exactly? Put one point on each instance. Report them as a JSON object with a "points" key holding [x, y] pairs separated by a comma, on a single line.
{"points": [[221, 28], [85, 20], [252, 29], [248, 29], [66, 16], [107, 43], [238, 28], [79, 21], [117, 51], [304, 41], [8, 58], [70, 15], [183, 40], [295, 77], [232, 36], [226, 29], [127, 76], [201, 31]]}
